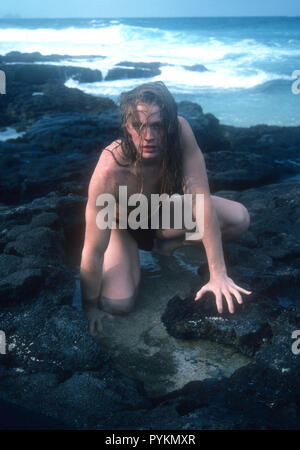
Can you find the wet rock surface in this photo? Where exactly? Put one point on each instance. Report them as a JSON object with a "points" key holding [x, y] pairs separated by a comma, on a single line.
{"points": [[42, 73], [246, 331], [14, 57], [52, 366], [121, 73], [245, 170], [206, 127], [57, 152], [263, 326]]}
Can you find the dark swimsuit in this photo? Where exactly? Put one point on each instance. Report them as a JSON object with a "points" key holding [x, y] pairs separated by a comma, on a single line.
{"points": [[143, 238]]}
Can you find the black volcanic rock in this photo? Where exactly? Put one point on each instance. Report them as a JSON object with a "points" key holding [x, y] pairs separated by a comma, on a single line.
{"points": [[33, 240], [278, 142], [240, 170], [267, 256], [32, 57], [38, 241], [50, 352], [57, 152], [74, 131], [122, 73], [196, 68], [142, 65], [20, 285], [264, 394], [22, 107], [53, 225], [246, 330], [43, 73]]}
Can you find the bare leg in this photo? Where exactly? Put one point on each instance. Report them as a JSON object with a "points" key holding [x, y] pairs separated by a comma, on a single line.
{"points": [[121, 273], [120, 280], [118, 306], [234, 218]]}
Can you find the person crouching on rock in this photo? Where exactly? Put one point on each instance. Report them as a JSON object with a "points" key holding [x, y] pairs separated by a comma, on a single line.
{"points": [[156, 158]]}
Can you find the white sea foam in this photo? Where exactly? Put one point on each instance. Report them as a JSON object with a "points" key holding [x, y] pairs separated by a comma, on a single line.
{"points": [[181, 80], [119, 41], [10, 133], [238, 59], [227, 61]]}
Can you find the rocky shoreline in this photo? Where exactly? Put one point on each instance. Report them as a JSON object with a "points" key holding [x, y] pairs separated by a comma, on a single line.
{"points": [[52, 367]]}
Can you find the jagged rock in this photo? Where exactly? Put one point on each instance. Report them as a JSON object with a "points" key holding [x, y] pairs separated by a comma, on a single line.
{"points": [[56, 152], [20, 285], [43, 73], [246, 330], [142, 65], [57, 220], [196, 68], [118, 73], [206, 127], [99, 395], [21, 107], [277, 142], [15, 56], [40, 241], [239, 170]]}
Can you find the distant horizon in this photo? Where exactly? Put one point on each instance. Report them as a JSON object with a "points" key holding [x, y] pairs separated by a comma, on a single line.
{"points": [[17, 16], [155, 9]]}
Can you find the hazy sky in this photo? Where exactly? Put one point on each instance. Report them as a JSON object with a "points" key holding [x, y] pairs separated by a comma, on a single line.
{"points": [[149, 8]]}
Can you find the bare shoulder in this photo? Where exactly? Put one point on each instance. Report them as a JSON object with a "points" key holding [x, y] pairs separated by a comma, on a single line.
{"points": [[187, 137], [109, 155], [194, 167], [107, 171], [182, 120], [183, 123]]}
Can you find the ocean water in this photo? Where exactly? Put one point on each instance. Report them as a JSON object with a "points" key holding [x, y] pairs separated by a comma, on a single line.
{"points": [[250, 61]]}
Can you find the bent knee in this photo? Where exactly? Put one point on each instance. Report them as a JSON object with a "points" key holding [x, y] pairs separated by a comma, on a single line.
{"points": [[118, 306], [243, 219]]}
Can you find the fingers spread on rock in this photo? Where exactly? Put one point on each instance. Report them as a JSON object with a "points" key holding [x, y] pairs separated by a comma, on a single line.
{"points": [[237, 296], [219, 303], [244, 290], [200, 293], [229, 301]]}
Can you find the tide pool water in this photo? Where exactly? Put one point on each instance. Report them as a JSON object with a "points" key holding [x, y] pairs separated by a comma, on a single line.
{"points": [[139, 344], [249, 61]]}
